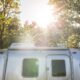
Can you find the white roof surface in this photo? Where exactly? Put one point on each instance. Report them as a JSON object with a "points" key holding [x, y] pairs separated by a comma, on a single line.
{"points": [[30, 46]]}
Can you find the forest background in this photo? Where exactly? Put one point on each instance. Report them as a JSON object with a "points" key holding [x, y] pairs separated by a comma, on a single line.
{"points": [[67, 31]]}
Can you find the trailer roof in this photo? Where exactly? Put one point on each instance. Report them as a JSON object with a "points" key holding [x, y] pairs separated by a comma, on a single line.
{"points": [[23, 46]]}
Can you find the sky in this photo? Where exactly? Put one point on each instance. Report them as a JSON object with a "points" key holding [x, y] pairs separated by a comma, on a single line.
{"points": [[36, 10]]}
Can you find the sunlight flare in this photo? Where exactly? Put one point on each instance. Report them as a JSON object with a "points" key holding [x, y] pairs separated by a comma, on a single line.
{"points": [[39, 12], [43, 16]]}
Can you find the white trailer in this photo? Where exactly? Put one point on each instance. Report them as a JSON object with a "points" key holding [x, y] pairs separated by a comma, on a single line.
{"points": [[24, 63]]}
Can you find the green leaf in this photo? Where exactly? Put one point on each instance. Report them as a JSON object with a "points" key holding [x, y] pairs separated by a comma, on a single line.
{"points": [[2, 16]]}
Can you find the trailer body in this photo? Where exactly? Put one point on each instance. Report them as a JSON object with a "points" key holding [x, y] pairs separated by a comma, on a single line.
{"points": [[40, 64]]}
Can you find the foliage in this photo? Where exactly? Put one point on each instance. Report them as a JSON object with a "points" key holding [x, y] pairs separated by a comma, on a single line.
{"points": [[8, 21], [32, 33], [70, 13], [73, 41]]}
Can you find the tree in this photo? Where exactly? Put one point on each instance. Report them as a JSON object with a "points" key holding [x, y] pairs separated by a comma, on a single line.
{"points": [[8, 10], [73, 41], [32, 33], [69, 11], [12, 32]]}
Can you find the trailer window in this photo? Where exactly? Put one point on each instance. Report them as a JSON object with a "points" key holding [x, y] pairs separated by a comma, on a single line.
{"points": [[30, 68], [58, 68]]}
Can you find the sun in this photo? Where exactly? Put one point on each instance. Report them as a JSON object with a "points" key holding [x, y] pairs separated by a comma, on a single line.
{"points": [[38, 11], [43, 16]]}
